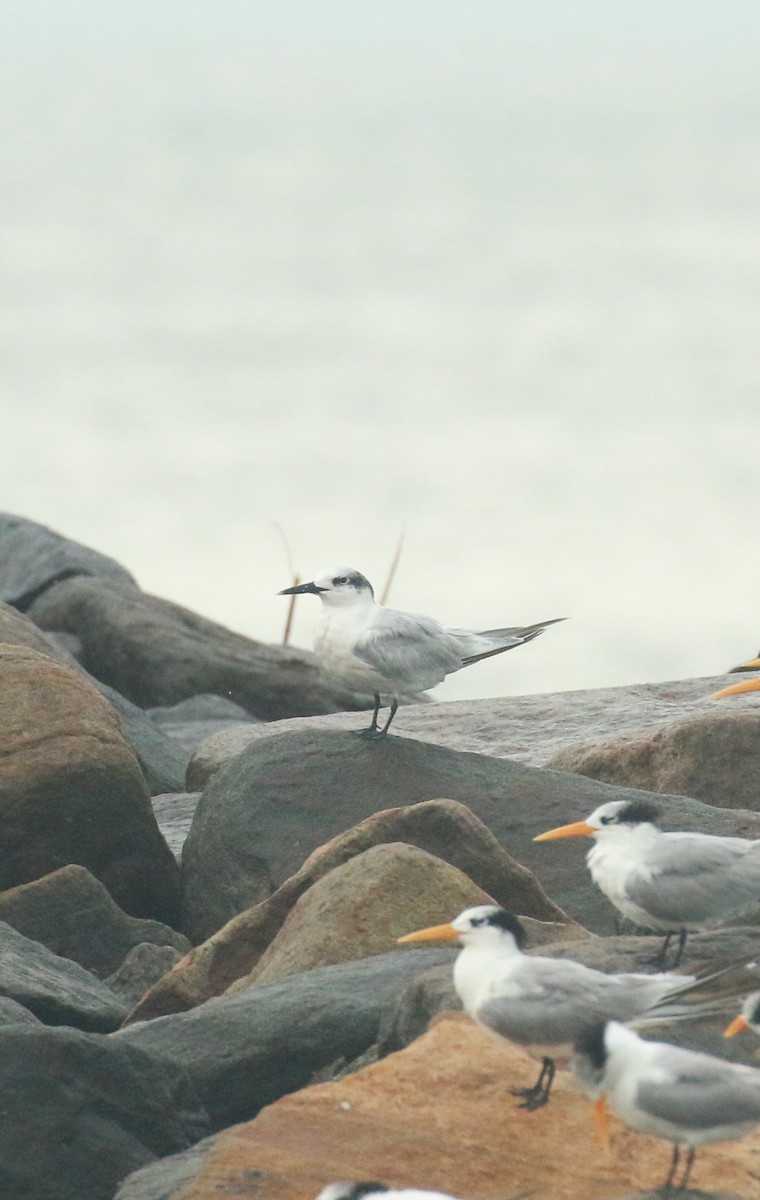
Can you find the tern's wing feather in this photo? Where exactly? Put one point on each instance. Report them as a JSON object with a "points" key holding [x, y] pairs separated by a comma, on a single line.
{"points": [[701, 1096], [410, 648], [696, 879], [558, 998]]}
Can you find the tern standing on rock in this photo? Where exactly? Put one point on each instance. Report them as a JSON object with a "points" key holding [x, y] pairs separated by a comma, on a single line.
{"points": [[685, 1096], [386, 652], [545, 1003], [672, 883]]}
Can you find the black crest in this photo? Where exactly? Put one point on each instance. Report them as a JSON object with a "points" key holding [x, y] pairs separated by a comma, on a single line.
{"points": [[590, 1045], [638, 811], [504, 920]]}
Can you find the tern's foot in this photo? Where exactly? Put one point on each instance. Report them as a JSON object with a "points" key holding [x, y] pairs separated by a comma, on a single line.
{"points": [[371, 735], [532, 1098]]}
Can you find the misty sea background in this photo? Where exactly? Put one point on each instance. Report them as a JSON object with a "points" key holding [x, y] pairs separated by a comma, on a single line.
{"points": [[485, 272]]}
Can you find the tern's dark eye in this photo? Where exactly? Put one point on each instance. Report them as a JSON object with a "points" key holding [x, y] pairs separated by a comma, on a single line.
{"points": [[474, 921], [607, 820], [340, 579]]}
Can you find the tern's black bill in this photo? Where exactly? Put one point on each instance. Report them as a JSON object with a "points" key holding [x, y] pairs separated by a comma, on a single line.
{"points": [[300, 589]]}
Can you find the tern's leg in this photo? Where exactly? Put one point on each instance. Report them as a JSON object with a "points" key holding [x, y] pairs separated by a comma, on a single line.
{"points": [[682, 936], [659, 959], [673, 1168], [689, 1164], [373, 730], [387, 725], [538, 1095]]}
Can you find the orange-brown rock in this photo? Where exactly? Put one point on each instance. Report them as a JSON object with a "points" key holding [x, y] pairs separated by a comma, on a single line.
{"points": [[714, 757], [439, 1115], [362, 907], [71, 789], [445, 828]]}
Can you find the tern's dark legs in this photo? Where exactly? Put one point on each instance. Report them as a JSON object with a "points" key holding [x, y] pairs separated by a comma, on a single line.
{"points": [[673, 1168], [538, 1095], [658, 960], [689, 1164], [374, 730]]}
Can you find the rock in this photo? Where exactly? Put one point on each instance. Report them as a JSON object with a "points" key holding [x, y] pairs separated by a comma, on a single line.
{"points": [[142, 967], [286, 795], [163, 759], [156, 653], [86, 1111], [174, 813], [163, 1180], [527, 729], [56, 990], [71, 790], [438, 1115], [193, 720], [18, 630], [71, 913], [443, 827], [244, 1050], [361, 908], [13, 1013], [715, 757], [32, 557]]}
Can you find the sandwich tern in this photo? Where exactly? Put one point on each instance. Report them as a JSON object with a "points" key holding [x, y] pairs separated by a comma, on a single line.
{"points": [[672, 883], [388, 653], [686, 1096], [545, 1003]]}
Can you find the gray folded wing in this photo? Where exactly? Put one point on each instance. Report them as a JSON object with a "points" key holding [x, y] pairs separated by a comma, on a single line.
{"points": [[411, 649], [561, 998], [703, 1096], [694, 880]]}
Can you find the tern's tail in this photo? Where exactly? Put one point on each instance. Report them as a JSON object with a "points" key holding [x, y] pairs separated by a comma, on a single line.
{"points": [[712, 991], [509, 638]]}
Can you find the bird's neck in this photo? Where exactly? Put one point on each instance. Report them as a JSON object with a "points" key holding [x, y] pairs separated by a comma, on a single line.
{"points": [[476, 967]]}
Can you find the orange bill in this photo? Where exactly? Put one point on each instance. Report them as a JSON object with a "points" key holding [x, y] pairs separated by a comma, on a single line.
{"points": [[602, 1122], [435, 933], [736, 689], [739, 1024], [577, 829]]}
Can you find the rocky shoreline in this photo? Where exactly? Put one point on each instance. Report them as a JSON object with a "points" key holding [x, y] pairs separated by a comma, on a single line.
{"points": [[203, 874]]}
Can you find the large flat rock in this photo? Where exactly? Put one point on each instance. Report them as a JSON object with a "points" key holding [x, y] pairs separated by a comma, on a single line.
{"points": [[528, 729], [438, 1115]]}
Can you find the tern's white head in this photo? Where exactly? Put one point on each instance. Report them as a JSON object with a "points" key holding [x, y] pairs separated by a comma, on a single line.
{"points": [[485, 926], [749, 1017], [616, 815], [339, 587]]}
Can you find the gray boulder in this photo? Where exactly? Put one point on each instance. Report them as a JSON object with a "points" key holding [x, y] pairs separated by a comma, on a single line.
{"points": [[143, 966], [72, 913], [193, 720], [282, 797], [174, 812], [32, 557], [245, 1050], [56, 990], [85, 1112], [163, 1179], [163, 759], [156, 653]]}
